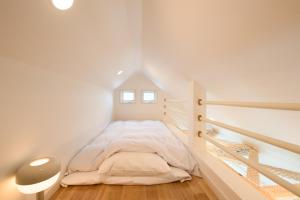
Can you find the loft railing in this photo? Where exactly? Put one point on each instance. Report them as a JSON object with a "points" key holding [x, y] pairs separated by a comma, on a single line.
{"points": [[174, 100], [173, 111], [172, 105], [275, 142], [176, 110], [274, 106], [292, 188], [284, 145]]}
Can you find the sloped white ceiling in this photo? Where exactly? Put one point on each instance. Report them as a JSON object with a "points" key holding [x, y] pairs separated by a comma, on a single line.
{"points": [[90, 42], [237, 50], [246, 50]]}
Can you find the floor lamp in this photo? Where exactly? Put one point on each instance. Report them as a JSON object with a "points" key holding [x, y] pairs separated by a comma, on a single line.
{"points": [[37, 175]]}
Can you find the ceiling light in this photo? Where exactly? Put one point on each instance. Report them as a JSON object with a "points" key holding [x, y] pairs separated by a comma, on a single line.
{"points": [[120, 72], [39, 162], [62, 4]]}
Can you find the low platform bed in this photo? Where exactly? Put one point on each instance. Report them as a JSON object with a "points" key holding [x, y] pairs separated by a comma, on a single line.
{"points": [[132, 153]]}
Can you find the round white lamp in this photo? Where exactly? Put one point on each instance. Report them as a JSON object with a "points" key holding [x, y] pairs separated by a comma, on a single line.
{"points": [[37, 175], [62, 4]]}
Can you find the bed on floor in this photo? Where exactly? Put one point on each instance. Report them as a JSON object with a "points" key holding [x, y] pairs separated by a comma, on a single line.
{"points": [[132, 153]]}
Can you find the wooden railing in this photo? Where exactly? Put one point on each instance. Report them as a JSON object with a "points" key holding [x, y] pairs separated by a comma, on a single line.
{"points": [[279, 143], [280, 181], [274, 106], [175, 100], [260, 137], [173, 112]]}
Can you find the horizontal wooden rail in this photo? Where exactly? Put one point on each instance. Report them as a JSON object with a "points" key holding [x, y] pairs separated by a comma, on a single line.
{"points": [[175, 123], [275, 106], [177, 110], [290, 187], [175, 100], [279, 143]]}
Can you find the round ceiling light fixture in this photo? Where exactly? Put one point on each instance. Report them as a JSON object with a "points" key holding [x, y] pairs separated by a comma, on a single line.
{"points": [[120, 72], [62, 4]]}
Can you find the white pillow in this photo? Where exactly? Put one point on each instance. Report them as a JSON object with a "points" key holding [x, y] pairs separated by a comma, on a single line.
{"points": [[134, 164], [174, 175]]}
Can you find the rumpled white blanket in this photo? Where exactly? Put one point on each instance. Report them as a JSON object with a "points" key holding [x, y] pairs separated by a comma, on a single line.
{"points": [[135, 136]]}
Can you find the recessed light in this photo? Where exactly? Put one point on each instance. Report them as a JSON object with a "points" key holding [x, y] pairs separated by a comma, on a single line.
{"points": [[39, 162], [120, 72], [62, 4]]}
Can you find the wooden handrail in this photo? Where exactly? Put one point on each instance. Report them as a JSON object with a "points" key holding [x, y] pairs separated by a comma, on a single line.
{"points": [[174, 100], [175, 123], [279, 143], [176, 110], [290, 187], [264, 105]]}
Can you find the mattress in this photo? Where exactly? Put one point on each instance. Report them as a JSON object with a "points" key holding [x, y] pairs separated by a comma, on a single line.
{"points": [[92, 178], [132, 136]]}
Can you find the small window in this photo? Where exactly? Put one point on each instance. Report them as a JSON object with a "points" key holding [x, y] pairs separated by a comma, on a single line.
{"points": [[127, 96], [149, 96]]}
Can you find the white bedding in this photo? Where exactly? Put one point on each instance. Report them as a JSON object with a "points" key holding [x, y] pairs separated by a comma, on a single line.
{"points": [[134, 136], [134, 164], [91, 178]]}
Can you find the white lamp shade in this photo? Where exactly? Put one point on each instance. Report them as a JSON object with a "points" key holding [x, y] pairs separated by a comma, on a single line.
{"points": [[37, 175], [38, 187]]}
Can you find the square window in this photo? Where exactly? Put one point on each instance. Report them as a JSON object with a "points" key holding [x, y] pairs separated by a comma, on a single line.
{"points": [[127, 96], [149, 96]]}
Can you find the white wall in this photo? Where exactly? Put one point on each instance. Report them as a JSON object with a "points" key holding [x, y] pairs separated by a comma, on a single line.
{"points": [[138, 110], [91, 41], [45, 114], [55, 92]]}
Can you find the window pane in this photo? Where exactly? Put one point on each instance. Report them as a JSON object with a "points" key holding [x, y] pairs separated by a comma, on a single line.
{"points": [[149, 96], [128, 96]]}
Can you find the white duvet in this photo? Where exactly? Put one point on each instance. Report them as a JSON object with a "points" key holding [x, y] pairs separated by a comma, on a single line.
{"points": [[135, 136]]}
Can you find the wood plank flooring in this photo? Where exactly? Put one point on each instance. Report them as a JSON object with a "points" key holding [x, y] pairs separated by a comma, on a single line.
{"points": [[196, 189]]}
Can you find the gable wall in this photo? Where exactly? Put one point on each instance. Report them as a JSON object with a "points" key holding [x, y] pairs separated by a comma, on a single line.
{"points": [[138, 110]]}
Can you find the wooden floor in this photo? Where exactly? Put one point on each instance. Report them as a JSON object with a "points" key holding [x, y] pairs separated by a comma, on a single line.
{"points": [[189, 190]]}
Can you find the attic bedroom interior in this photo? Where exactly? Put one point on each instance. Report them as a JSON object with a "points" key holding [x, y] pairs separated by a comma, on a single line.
{"points": [[150, 99]]}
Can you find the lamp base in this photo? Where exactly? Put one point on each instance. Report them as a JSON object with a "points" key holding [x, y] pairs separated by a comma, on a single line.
{"points": [[40, 195]]}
